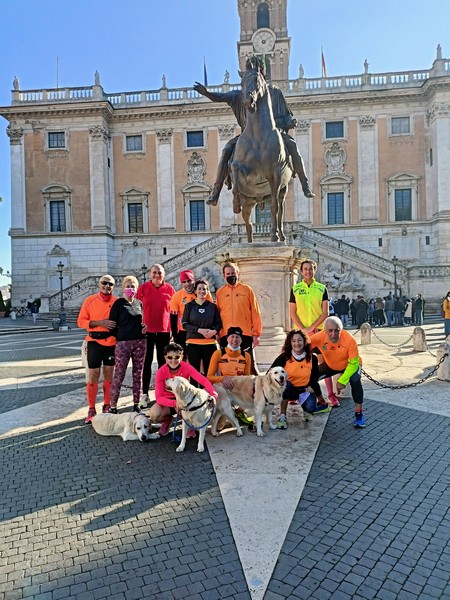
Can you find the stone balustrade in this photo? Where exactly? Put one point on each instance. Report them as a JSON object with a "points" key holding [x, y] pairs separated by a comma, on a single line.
{"points": [[302, 86]]}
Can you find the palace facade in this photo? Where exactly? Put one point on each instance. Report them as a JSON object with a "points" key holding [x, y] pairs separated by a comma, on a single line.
{"points": [[112, 182]]}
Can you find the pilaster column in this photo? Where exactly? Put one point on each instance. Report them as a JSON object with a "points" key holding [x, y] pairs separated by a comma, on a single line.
{"points": [[227, 216], [18, 207], [368, 191], [165, 178], [99, 180], [302, 205]]}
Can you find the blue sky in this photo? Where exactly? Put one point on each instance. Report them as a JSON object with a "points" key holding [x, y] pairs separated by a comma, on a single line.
{"points": [[132, 44]]}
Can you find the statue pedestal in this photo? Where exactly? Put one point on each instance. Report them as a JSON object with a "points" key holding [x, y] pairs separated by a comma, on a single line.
{"points": [[270, 270]]}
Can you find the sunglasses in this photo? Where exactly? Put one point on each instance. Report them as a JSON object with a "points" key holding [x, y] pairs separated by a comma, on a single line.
{"points": [[187, 281], [107, 283], [173, 357]]}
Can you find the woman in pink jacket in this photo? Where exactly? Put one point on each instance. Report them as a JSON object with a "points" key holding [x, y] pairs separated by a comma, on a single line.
{"points": [[164, 409]]}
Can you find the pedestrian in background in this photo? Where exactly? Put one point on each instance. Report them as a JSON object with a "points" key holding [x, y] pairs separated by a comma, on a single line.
{"points": [[446, 311]]}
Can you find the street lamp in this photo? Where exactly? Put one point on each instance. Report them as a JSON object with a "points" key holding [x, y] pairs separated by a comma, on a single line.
{"points": [[395, 263], [62, 312], [144, 270]]}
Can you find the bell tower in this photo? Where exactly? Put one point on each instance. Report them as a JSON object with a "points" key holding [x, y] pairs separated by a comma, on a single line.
{"points": [[264, 33]]}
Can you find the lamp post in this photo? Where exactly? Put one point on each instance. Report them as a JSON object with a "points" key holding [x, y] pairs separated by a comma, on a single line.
{"points": [[62, 312], [395, 263], [144, 270]]}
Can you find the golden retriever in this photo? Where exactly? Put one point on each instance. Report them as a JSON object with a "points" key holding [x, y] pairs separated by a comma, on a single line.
{"points": [[257, 394], [129, 426], [195, 406]]}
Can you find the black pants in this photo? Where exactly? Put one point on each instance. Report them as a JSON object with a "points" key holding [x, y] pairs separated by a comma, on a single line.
{"points": [[198, 353], [160, 340]]}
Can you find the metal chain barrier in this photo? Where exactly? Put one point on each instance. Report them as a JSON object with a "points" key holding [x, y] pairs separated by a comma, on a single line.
{"points": [[406, 385], [429, 351], [392, 345]]}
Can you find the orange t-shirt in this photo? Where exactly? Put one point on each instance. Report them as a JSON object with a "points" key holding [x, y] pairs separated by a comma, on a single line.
{"points": [[94, 308], [336, 355]]}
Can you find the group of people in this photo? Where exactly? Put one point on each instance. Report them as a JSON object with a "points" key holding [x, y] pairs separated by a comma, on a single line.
{"points": [[211, 342], [389, 311]]}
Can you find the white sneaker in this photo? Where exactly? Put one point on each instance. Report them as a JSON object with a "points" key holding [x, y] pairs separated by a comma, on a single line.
{"points": [[145, 401]]}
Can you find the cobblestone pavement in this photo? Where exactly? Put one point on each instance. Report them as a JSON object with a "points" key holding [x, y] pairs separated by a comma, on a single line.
{"points": [[89, 517]]}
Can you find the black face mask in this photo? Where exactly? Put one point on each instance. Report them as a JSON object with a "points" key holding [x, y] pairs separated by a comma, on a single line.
{"points": [[232, 279]]}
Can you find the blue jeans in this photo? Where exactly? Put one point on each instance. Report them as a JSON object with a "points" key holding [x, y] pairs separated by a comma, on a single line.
{"points": [[447, 327], [418, 317]]}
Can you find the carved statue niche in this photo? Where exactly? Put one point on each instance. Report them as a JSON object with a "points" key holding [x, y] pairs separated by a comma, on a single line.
{"points": [[335, 159]]}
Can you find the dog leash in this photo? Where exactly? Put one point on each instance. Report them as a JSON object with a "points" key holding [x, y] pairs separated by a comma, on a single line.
{"points": [[210, 401]]}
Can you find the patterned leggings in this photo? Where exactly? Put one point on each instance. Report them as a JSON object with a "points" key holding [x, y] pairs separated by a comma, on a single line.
{"points": [[134, 349]]}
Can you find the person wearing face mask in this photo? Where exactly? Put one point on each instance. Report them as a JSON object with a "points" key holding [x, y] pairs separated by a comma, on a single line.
{"points": [[238, 307], [302, 371], [94, 316], [130, 331], [178, 304], [230, 362], [446, 311]]}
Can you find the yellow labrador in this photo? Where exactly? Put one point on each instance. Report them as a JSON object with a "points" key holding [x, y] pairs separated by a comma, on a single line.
{"points": [[257, 394], [129, 426], [195, 406]]}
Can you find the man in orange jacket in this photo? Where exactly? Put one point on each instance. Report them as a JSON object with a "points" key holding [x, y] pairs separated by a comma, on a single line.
{"points": [[238, 307], [94, 316]]}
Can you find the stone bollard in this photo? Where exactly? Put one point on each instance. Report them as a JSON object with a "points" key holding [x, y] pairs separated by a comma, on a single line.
{"points": [[366, 334], [419, 340], [443, 372]]}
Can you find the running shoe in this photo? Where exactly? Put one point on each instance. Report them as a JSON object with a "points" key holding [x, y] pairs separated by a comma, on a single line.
{"points": [[359, 421], [282, 422], [145, 402], [91, 414], [242, 418], [321, 409], [106, 408], [191, 433]]}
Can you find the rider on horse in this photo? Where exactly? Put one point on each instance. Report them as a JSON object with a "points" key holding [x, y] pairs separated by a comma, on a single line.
{"points": [[284, 121]]}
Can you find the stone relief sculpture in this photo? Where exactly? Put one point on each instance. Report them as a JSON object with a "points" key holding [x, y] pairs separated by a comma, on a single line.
{"points": [[196, 167], [335, 159], [345, 281]]}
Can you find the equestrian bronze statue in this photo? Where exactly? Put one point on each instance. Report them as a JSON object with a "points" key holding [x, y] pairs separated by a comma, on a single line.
{"points": [[266, 155]]}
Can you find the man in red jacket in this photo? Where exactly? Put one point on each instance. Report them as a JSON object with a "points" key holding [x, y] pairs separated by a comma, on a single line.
{"points": [[155, 296]]}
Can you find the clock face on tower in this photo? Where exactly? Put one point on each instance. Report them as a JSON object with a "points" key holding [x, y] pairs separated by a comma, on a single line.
{"points": [[263, 41]]}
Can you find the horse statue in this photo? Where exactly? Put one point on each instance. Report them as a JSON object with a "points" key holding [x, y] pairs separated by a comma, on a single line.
{"points": [[260, 167]]}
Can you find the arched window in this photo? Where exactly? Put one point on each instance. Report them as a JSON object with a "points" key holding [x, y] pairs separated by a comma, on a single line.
{"points": [[262, 16]]}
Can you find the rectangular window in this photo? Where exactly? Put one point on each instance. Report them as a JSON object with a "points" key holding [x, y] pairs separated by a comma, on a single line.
{"points": [[135, 218], [334, 129], [56, 139], [427, 240], [400, 125], [336, 208], [57, 215], [403, 206], [431, 157], [134, 143], [194, 139], [380, 242], [197, 210]]}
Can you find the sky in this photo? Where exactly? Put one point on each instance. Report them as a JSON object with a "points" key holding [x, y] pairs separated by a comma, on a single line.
{"points": [[132, 44]]}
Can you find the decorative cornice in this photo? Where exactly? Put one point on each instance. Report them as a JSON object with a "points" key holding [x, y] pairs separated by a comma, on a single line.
{"points": [[367, 122], [164, 136], [15, 135]]}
